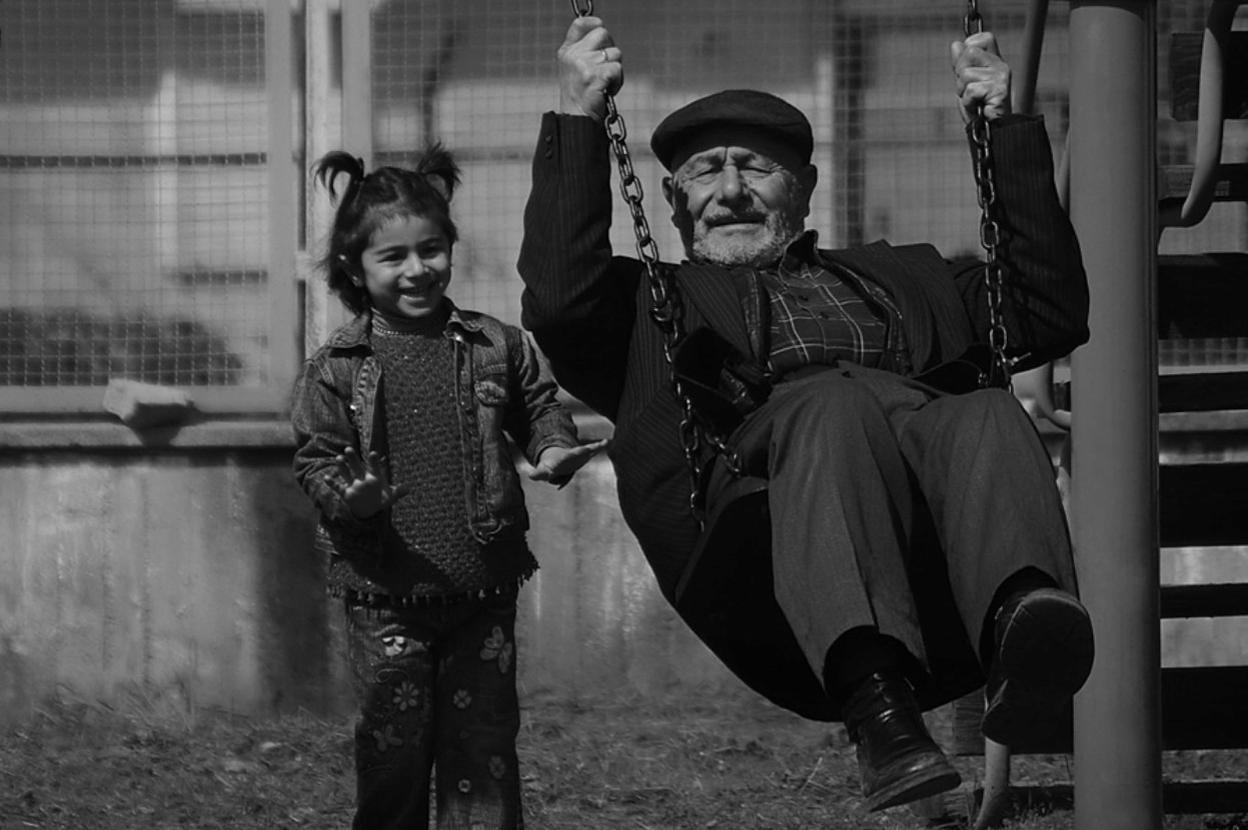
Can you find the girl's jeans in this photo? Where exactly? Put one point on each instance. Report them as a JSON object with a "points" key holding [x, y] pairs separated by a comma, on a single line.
{"points": [[436, 686]]}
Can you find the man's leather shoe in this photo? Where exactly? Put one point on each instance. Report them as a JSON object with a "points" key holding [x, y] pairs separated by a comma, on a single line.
{"points": [[1043, 654], [897, 759]]}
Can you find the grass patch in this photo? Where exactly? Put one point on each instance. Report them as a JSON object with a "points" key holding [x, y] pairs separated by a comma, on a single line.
{"points": [[638, 763]]}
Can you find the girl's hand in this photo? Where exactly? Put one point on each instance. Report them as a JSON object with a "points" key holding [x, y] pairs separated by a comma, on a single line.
{"points": [[368, 490], [561, 462], [982, 76]]}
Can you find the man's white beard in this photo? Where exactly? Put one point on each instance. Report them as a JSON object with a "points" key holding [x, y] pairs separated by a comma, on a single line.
{"points": [[756, 253]]}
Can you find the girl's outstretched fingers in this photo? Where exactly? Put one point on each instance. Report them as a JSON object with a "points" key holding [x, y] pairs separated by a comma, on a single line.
{"points": [[389, 494], [353, 466], [561, 462]]}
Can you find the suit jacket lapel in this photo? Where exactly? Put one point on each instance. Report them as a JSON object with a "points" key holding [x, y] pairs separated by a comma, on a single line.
{"points": [[711, 292]]}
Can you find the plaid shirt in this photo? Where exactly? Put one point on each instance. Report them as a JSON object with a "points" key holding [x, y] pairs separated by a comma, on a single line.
{"points": [[819, 315]]}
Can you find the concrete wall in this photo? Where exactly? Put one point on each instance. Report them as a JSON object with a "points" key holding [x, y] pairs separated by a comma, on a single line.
{"points": [[183, 576], [176, 572]]}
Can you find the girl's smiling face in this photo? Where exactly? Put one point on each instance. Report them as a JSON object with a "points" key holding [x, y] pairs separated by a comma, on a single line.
{"points": [[407, 266]]}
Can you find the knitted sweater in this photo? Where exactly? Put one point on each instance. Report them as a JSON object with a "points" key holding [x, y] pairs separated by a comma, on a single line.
{"points": [[429, 548]]}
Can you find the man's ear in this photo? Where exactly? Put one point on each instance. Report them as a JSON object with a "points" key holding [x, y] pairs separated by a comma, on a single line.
{"points": [[807, 178], [669, 189], [673, 199]]}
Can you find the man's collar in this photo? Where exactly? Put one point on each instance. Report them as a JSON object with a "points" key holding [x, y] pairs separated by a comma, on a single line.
{"points": [[803, 249]]}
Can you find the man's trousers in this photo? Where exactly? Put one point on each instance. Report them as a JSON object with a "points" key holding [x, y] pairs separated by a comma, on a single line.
{"points": [[858, 460]]}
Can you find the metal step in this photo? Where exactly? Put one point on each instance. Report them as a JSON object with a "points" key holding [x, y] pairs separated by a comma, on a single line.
{"points": [[1203, 504], [1220, 599], [1203, 392], [1210, 391], [1202, 295]]}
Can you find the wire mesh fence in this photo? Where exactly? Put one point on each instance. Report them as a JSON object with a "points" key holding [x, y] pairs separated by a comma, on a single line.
{"points": [[873, 78], [133, 193], [134, 139]]}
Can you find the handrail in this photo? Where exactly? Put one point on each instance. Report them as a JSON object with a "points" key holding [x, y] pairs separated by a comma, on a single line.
{"points": [[1023, 97], [1209, 124]]}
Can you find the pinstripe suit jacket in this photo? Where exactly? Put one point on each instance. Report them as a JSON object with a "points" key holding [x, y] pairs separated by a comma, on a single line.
{"points": [[588, 309]]}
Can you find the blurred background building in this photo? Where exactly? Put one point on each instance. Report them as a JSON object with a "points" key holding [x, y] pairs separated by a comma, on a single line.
{"points": [[157, 224]]}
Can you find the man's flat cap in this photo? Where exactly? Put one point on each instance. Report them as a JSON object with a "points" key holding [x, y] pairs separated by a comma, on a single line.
{"points": [[733, 107]]}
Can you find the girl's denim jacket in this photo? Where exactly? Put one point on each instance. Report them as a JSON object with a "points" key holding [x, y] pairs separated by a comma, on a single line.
{"points": [[502, 386]]}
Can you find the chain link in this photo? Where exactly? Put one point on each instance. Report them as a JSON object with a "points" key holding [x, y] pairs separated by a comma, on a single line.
{"points": [[989, 229], [665, 304], [972, 23], [666, 311]]}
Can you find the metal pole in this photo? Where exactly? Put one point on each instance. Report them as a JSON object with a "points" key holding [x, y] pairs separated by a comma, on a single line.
{"points": [[283, 173], [357, 87], [1113, 204], [323, 131], [1024, 93]]}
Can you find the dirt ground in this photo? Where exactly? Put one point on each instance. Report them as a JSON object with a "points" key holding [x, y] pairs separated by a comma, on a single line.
{"points": [[675, 765]]}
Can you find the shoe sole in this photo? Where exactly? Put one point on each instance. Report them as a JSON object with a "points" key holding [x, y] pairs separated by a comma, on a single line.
{"points": [[936, 778], [1046, 651]]}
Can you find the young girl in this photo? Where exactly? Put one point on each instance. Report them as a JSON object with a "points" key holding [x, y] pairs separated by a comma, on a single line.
{"points": [[399, 421]]}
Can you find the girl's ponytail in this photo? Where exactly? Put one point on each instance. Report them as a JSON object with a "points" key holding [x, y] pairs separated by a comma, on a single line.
{"points": [[439, 170], [336, 163]]}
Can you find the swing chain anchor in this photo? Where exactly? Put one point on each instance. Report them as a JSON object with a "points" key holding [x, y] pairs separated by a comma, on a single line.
{"points": [[989, 229]]}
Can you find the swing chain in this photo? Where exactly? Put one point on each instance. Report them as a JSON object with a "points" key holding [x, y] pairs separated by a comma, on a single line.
{"points": [[666, 311], [989, 228], [665, 305], [972, 23]]}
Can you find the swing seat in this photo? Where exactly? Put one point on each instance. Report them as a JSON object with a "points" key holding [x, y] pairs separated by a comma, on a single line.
{"points": [[726, 595], [737, 530]]}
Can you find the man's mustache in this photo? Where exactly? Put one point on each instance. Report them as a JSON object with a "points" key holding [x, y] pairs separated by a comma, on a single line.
{"points": [[735, 218]]}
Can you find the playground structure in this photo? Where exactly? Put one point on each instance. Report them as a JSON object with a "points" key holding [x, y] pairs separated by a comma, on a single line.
{"points": [[1124, 505]]}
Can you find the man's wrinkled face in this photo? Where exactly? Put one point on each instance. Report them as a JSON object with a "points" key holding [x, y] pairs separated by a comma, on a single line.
{"points": [[738, 197]]}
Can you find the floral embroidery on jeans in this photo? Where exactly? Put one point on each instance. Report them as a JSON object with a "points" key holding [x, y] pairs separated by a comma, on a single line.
{"points": [[386, 738], [496, 646], [398, 660], [406, 696]]}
